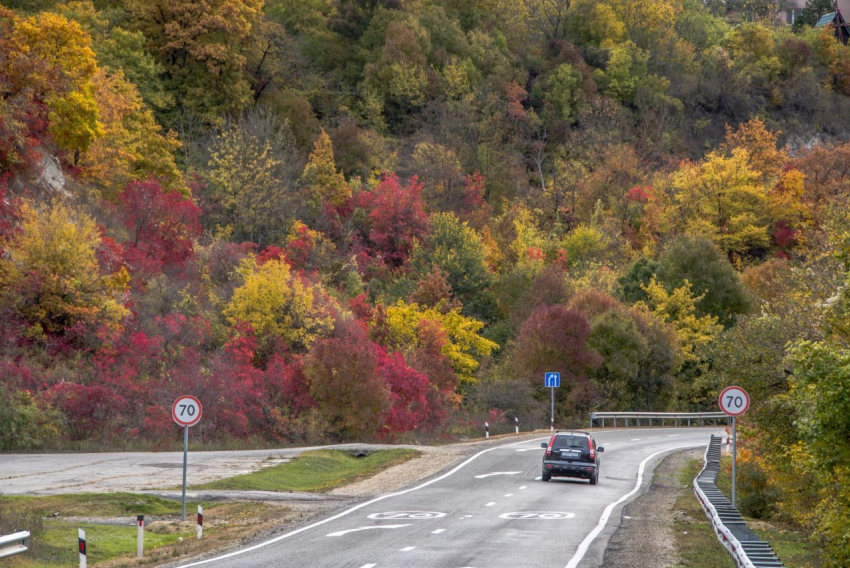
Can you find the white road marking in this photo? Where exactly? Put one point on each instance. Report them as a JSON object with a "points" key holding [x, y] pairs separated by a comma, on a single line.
{"points": [[490, 504], [368, 566], [538, 478], [509, 494], [438, 531], [585, 544], [672, 435], [340, 533], [524, 487], [466, 516], [546, 515], [361, 505], [482, 476], [406, 515], [634, 439], [528, 449], [407, 549]]}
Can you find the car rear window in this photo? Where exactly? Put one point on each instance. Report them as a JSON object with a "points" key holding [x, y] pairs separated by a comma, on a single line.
{"points": [[570, 442]]}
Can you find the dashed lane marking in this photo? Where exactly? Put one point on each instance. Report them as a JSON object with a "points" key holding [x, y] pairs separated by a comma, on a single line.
{"points": [[538, 478], [483, 475], [490, 504], [524, 487], [672, 435], [509, 494], [438, 531], [368, 566], [407, 549], [634, 439]]}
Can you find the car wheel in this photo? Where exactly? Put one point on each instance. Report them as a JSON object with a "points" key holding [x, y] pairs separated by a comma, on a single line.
{"points": [[595, 479], [546, 477]]}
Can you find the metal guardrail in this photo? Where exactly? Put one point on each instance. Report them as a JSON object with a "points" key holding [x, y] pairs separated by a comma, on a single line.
{"points": [[743, 545], [14, 543], [677, 417]]}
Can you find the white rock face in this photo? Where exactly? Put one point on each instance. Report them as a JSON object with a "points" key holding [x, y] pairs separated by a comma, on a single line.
{"points": [[50, 175]]}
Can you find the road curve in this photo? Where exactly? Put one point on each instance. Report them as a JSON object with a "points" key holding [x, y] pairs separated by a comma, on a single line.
{"points": [[489, 511]]}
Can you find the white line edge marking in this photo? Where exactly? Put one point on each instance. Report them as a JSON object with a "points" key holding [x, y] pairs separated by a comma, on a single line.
{"points": [[340, 533], [490, 504], [438, 531], [407, 549], [356, 507], [585, 544]]}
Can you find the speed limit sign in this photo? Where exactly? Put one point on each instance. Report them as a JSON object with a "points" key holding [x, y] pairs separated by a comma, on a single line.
{"points": [[734, 401], [186, 410]]}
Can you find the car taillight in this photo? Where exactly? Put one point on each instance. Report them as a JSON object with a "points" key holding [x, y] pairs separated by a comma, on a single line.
{"points": [[549, 448], [592, 449]]}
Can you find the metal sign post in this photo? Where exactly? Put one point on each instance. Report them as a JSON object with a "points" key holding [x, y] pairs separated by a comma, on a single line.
{"points": [[553, 381], [186, 411], [734, 401]]}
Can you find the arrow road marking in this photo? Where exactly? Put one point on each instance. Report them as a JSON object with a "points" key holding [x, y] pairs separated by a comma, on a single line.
{"points": [[497, 473], [340, 533]]}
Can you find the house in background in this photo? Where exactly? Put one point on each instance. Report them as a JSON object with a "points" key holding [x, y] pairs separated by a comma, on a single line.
{"points": [[794, 8]]}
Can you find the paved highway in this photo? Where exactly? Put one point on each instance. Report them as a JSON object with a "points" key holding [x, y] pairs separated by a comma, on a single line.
{"points": [[490, 511]]}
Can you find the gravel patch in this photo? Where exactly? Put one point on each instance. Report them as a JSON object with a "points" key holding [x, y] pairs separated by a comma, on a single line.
{"points": [[645, 535]]}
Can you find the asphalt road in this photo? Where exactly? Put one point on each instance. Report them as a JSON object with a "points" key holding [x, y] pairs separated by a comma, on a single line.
{"points": [[490, 511]]}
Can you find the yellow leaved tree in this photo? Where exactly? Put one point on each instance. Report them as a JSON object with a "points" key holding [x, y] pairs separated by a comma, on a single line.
{"points": [[679, 309], [278, 304], [405, 324], [321, 174], [50, 273]]}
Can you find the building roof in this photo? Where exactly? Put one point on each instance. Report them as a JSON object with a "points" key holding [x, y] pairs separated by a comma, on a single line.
{"points": [[825, 20]]}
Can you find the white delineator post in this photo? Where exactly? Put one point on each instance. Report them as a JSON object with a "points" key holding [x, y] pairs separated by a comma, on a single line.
{"points": [[516, 424], [81, 536], [200, 521], [487, 430], [140, 536]]}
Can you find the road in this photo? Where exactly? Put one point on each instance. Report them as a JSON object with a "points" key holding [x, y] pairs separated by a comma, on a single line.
{"points": [[48, 474], [491, 510]]}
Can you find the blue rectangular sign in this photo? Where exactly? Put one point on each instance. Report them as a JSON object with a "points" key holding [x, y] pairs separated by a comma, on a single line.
{"points": [[552, 379]]}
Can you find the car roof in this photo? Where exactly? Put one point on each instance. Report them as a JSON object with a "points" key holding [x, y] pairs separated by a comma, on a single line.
{"points": [[573, 433]]}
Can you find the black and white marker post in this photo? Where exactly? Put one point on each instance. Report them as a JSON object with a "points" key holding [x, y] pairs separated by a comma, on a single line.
{"points": [[734, 401], [186, 411], [81, 539], [140, 536], [200, 521], [487, 430], [516, 423]]}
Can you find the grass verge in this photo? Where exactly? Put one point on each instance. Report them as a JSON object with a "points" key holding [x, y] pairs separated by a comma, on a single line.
{"points": [[695, 540], [319, 470], [54, 537]]}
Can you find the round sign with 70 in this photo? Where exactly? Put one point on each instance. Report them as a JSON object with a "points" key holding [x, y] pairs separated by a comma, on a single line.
{"points": [[734, 401], [186, 410]]}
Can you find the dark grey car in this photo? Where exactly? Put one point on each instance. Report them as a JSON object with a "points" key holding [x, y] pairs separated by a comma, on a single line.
{"points": [[572, 454]]}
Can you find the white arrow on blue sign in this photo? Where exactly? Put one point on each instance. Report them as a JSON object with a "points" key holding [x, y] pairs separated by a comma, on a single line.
{"points": [[552, 379]]}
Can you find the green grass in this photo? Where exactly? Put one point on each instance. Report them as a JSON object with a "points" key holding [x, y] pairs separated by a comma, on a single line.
{"points": [[695, 540], [58, 545], [319, 470], [90, 504]]}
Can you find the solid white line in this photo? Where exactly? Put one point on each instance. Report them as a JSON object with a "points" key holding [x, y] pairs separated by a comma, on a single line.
{"points": [[524, 487], [407, 549], [585, 544], [509, 494], [491, 474], [368, 566], [490, 504], [438, 531], [340, 533], [360, 506]]}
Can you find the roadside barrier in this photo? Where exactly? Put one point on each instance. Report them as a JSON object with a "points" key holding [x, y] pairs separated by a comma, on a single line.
{"points": [[14, 543], [598, 418], [743, 545]]}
